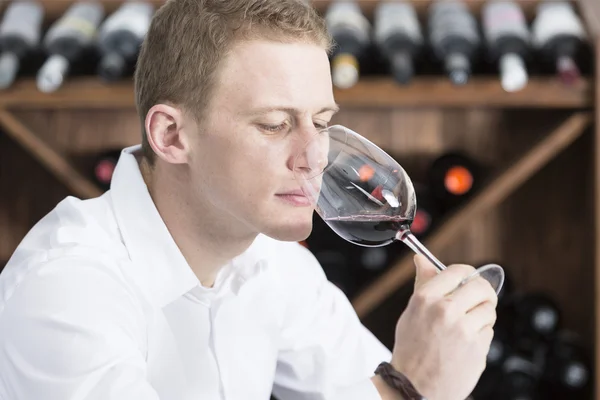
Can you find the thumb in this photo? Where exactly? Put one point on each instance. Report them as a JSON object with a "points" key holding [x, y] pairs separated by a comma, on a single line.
{"points": [[425, 270]]}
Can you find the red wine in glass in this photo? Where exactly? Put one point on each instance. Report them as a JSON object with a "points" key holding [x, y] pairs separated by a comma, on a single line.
{"points": [[369, 230]]}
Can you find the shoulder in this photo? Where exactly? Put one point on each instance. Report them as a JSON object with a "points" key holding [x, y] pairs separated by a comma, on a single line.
{"points": [[70, 297], [70, 285], [69, 263], [72, 224], [76, 240]]}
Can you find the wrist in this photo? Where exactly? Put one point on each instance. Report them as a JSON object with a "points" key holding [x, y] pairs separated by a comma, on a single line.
{"points": [[398, 382], [385, 391]]}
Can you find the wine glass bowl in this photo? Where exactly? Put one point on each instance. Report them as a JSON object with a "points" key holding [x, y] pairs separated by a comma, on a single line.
{"points": [[364, 195]]}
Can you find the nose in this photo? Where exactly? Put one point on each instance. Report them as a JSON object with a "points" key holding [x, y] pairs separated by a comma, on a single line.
{"points": [[309, 157]]}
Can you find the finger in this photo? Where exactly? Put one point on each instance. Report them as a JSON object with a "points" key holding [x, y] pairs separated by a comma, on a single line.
{"points": [[425, 270], [480, 318], [486, 335], [473, 293], [448, 280]]}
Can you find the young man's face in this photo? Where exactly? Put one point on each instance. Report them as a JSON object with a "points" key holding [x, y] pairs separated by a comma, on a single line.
{"points": [[270, 98]]}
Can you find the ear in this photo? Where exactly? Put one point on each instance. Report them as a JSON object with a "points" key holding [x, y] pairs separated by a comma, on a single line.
{"points": [[166, 135]]}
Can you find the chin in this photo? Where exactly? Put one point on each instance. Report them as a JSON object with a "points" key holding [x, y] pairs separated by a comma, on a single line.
{"points": [[289, 232]]}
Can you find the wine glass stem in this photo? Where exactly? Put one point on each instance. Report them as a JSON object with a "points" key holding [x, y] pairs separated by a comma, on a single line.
{"points": [[415, 245]]}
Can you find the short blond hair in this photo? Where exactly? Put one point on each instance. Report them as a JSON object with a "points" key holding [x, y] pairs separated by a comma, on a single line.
{"points": [[188, 40]]}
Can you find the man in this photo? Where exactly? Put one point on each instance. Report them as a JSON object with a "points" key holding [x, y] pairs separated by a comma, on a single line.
{"points": [[184, 280]]}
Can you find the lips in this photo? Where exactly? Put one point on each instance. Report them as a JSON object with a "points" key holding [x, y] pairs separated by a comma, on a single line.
{"points": [[295, 197], [297, 192]]}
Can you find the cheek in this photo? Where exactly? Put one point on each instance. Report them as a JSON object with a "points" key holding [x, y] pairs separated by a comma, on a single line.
{"points": [[246, 174]]}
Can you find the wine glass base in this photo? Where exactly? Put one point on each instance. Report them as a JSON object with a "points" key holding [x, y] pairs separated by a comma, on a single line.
{"points": [[493, 273]]}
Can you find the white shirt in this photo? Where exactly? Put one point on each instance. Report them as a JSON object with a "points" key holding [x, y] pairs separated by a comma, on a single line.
{"points": [[98, 302]]}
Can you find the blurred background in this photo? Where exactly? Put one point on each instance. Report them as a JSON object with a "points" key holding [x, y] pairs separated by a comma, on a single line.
{"points": [[490, 106]]}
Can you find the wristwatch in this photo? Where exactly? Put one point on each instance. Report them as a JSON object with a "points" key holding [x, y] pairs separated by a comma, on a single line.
{"points": [[398, 381]]}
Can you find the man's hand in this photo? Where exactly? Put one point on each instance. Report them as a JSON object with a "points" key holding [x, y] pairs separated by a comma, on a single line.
{"points": [[442, 339]]}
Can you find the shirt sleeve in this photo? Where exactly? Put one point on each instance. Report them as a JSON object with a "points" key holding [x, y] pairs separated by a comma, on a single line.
{"points": [[326, 353], [72, 331]]}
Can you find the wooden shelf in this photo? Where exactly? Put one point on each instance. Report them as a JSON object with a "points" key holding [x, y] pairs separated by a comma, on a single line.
{"points": [[542, 92], [494, 193], [76, 93]]}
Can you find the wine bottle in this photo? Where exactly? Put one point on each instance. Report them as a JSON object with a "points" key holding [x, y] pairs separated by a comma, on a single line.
{"points": [[493, 375], [452, 178], [104, 167], [488, 384], [536, 316], [66, 41], [337, 268], [20, 33], [374, 259], [568, 368], [522, 371], [500, 347], [398, 37], [427, 214], [558, 34], [121, 36], [508, 41], [454, 37], [350, 30], [520, 380]]}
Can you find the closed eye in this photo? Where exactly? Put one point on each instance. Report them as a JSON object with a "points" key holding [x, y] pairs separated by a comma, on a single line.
{"points": [[273, 128]]}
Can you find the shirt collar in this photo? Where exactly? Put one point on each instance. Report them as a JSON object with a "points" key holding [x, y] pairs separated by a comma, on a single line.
{"points": [[159, 268]]}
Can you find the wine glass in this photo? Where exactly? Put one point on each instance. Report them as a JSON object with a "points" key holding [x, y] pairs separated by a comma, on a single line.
{"points": [[364, 195]]}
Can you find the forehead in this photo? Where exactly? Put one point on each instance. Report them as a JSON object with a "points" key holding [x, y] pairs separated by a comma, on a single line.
{"points": [[265, 73]]}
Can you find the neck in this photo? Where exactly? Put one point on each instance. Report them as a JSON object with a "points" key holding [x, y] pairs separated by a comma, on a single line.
{"points": [[207, 237]]}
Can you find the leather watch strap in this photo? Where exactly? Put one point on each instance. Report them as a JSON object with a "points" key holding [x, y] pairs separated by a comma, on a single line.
{"points": [[398, 381]]}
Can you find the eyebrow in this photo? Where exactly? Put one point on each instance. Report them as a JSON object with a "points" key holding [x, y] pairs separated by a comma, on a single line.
{"points": [[294, 111]]}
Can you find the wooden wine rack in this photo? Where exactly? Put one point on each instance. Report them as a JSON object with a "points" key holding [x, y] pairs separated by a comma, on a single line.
{"points": [[541, 93]]}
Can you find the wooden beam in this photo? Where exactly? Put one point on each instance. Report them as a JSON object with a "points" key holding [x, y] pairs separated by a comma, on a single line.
{"points": [[48, 157], [495, 192], [590, 13]]}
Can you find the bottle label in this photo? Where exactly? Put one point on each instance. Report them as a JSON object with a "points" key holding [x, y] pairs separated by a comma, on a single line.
{"points": [[80, 25], [504, 19], [80, 21], [345, 70]]}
